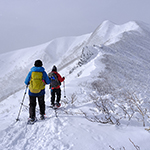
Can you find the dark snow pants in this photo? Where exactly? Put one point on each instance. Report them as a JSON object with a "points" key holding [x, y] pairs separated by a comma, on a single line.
{"points": [[53, 93], [32, 105]]}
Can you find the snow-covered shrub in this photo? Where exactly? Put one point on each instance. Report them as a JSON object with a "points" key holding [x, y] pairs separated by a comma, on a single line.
{"points": [[127, 109]]}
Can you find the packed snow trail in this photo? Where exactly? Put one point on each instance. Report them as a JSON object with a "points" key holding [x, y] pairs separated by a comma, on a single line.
{"points": [[45, 133]]}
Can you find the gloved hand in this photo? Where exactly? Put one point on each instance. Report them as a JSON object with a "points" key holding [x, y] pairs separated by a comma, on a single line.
{"points": [[44, 82]]}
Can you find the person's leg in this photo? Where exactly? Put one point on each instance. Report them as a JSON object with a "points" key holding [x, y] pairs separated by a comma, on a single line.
{"points": [[41, 102], [58, 92], [52, 96], [32, 106]]}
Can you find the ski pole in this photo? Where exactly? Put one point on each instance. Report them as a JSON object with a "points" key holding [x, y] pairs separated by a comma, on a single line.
{"points": [[64, 89], [22, 103]]}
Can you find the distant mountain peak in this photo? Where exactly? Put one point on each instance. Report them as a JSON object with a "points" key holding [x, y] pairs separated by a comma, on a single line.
{"points": [[111, 27], [109, 33]]}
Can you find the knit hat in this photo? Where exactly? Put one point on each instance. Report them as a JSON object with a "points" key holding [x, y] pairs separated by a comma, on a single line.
{"points": [[54, 68], [38, 63]]}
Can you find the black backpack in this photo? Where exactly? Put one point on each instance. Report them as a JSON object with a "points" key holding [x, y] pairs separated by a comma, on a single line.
{"points": [[54, 80]]}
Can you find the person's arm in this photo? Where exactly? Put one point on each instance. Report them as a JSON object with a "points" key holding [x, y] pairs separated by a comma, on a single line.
{"points": [[46, 78], [27, 80], [61, 79]]}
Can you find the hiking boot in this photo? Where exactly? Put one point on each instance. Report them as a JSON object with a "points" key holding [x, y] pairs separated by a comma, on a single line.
{"points": [[42, 117], [52, 104], [58, 104]]}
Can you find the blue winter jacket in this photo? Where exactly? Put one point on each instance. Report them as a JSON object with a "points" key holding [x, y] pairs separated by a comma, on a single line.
{"points": [[45, 78]]}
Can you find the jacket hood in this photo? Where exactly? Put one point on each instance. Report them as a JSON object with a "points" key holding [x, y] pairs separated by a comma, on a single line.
{"points": [[37, 69]]}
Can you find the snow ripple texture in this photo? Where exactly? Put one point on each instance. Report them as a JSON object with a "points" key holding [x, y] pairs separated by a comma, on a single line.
{"points": [[47, 133]]}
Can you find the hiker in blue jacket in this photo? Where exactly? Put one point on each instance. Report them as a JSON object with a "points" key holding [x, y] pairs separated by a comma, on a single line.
{"points": [[37, 78]]}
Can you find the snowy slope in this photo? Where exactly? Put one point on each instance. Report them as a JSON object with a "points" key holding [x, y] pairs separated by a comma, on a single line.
{"points": [[15, 65], [106, 71]]}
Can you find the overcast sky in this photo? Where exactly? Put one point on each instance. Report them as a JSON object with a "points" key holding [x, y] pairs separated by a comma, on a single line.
{"points": [[25, 23]]}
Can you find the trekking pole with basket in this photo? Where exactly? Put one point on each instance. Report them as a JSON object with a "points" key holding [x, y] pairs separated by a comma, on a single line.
{"points": [[22, 103], [64, 89]]}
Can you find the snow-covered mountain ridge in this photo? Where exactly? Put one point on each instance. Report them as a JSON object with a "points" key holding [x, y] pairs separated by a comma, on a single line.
{"points": [[107, 82], [63, 51], [108, 33]]}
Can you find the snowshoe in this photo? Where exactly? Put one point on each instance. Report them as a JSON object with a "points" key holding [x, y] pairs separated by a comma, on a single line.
{"points": [[31, 121], [57, 105]]}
